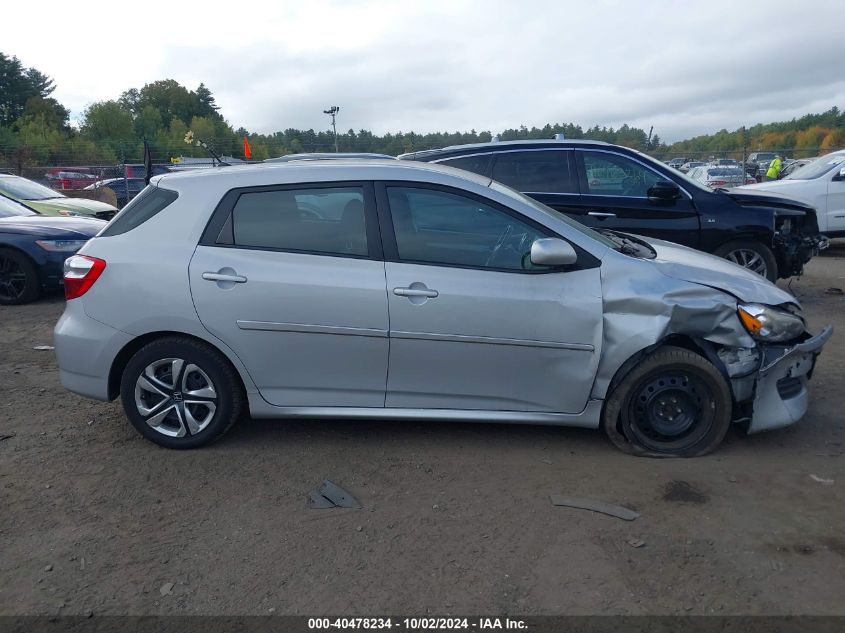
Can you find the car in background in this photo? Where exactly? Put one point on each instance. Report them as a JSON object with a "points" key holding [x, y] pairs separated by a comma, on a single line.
{"points": [[720, 176], [758, 162], [690, 165], [33, 249], [49, 202], [611, 187], [65, 179], [792, 165], [724, 162], [434, 294], [124, 188], [676, 163], [821, 184]]}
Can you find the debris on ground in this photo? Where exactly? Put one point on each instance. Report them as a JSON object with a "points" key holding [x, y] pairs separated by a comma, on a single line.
{"points": [[166, 589], [6, 436], [635, 542], [48, 568], [822, 480], [620, 512], [43, 348], [330, 495], [834, 291]]}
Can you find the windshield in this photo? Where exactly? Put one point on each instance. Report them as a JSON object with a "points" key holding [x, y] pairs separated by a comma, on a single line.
{"points": [[817, 168], [23, 189], [9, 208], [516, 195]]}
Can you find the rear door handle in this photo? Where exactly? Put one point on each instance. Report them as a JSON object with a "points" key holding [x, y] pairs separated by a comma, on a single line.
{"points": [[415, 292], [237, 279], [601, 215]]}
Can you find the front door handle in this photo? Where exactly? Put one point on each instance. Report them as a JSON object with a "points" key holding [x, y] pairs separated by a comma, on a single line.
{"points": [[415, 292], [236, 279], [601, 215]]}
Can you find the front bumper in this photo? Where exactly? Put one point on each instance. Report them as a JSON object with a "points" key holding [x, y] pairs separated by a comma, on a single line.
{"points": [[793, 251], [780, 389]]}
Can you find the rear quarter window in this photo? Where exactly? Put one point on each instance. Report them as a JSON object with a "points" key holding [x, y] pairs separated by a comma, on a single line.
{"points": [[145, 205]]}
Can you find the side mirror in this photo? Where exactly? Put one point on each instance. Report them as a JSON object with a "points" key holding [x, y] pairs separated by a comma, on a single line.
{"points": [[552, 251], [664, 191], [840, 175]]}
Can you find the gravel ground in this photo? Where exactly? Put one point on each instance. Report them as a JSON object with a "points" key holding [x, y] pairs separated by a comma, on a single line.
{"points": [[456, 517]]}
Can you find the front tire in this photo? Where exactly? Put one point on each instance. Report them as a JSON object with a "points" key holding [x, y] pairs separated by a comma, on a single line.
{"points": [[674, 403], [751, 254], [180, 393]]}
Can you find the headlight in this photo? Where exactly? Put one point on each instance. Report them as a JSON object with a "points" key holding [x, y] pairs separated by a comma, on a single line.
{"points": [[67, 213], [769, 324], [61, 246]]}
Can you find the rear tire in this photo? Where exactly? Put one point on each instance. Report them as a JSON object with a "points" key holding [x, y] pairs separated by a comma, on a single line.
{"points": [[180, 393], [751, 254], [19, 282], [674, 403]]}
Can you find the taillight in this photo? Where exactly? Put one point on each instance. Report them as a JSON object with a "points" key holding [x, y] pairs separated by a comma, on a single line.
{"points": [[717, 183], [81, 271]]}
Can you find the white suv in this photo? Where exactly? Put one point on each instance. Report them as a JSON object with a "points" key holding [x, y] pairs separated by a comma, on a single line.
{"points": [[820, 184]]}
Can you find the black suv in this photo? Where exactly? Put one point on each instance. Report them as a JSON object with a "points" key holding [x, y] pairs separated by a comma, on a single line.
{"points": [[611, 187]]}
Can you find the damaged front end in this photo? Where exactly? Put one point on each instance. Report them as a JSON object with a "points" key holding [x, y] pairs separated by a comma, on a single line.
{"points": [[750, 329], [796, 240], [769, 381]]}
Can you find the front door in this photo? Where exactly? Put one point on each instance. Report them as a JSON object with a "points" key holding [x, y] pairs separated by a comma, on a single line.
{"points": [[614, 196], [836, 201], [294, 284], [473, 323]]}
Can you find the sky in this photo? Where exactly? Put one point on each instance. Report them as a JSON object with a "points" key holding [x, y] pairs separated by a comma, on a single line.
{"points": [[686, 68]]}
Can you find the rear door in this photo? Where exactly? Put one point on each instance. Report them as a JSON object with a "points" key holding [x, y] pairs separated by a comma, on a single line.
{"points": [[614, 195], [292, 279], [473, 323]]}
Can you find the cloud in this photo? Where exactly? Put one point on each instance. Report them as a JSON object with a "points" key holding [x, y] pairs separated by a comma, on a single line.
{"points": [[686, 68]]}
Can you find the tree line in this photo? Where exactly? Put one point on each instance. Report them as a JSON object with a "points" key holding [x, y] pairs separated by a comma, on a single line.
{"points": [[35, 129]]}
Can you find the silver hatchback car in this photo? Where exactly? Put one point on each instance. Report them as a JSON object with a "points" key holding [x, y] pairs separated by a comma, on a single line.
{"points": [[391, 289]]}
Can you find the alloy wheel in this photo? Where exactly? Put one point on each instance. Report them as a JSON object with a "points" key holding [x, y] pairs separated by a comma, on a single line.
{"points": [[749, 259], [12, 279], [175, 397]]}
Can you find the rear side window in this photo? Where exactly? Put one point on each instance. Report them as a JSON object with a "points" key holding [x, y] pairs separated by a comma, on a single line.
{"points": [[535, 172], [145, 205], [477, 164], [316, 220]]}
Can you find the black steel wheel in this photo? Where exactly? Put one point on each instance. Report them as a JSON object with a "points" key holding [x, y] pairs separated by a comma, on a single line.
{"points": [[675, 403], [19, 281]]}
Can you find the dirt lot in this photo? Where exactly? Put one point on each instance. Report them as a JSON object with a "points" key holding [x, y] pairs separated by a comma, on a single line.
{"points": [[456, 517]]}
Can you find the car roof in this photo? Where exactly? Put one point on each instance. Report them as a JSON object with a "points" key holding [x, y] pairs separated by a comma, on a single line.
{"points": [[495, 145], [318, 171]]}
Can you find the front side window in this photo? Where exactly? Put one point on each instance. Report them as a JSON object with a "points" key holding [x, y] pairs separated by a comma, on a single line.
{"points": [[439, 227], [320, 220], [615, 175], [535, 172]]}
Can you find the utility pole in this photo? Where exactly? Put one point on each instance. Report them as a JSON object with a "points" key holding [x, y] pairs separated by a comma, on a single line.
{"points": [[333, 113]]}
